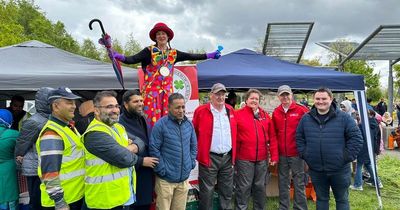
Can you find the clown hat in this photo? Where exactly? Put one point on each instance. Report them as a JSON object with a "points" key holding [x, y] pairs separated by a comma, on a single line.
{"points": [[161, 27]]}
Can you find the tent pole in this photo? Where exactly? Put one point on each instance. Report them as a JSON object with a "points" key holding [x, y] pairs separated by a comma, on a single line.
{"points": [[363, 111], [390, 89]]}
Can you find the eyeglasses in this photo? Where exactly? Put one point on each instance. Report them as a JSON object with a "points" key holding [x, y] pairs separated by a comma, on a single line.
{"points": [[117, 106]]}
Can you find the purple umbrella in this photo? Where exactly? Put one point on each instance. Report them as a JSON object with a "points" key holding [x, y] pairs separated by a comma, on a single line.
{"points": [[116, 65]]}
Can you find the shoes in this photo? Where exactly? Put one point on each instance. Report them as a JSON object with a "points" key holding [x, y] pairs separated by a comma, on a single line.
{"points": [[360, 188], [372, 184]]}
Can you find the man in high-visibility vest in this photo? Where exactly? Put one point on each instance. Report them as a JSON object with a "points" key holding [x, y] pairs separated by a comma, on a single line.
{"points": [[109, 157], [61, 155]]}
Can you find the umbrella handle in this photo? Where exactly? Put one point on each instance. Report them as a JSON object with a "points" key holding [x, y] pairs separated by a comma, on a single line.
{"points": [[101, 25]]}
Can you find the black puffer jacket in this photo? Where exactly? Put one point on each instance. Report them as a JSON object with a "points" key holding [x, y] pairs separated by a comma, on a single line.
{"points": [[363, 156], [330, 145], [30, 131]]}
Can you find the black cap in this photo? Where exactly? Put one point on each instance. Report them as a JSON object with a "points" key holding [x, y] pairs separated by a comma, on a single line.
{"points": [[61, 92]]}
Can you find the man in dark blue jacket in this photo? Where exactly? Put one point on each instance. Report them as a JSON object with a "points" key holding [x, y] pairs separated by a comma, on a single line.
{"points": [[173, 141], [328, 140], [135, 124]]}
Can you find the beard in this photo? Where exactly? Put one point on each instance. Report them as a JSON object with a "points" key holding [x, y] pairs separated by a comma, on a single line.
{"points": [[106, 118], [133, 111]]}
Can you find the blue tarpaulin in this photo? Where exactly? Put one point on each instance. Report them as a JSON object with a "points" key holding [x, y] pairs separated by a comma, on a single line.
{"points": [[248, 69]]}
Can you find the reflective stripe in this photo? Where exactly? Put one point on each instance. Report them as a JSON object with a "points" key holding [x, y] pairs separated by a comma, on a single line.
{"points": [[51, 152], [107, 127], [106, 178], [75, 154], [60, 129], [73, 174], [94, 162]]}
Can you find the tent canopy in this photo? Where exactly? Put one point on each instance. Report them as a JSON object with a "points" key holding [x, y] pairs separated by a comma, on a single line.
{"points": [[248, 69], [30, 65]]}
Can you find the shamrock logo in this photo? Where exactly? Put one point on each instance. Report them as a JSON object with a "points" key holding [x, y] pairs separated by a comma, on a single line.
{"points": [[179, 85]]}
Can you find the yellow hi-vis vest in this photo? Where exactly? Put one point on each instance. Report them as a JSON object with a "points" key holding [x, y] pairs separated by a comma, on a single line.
{"points": [[106, 186], [72, 172]]}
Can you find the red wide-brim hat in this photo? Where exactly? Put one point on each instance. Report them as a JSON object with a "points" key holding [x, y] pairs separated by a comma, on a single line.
{"points": [[161, 27]]}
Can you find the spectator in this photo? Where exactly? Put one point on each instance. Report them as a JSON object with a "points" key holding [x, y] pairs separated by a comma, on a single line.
{"points": [[363, 157], [398, 113], [173, 142], [86, 110], [133, 120], [304, 102], [369, 106], [25, 150], [328, 140], [109, 157], [387, 120], [346, 107], [256, 140], [286, 117], [8, 179], [354, 104], [232, 98], [381, 108], [16, 108], [216, 129]]}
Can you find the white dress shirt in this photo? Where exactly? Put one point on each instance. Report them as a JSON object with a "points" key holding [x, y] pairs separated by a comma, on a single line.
{"points": [[221, 141]]}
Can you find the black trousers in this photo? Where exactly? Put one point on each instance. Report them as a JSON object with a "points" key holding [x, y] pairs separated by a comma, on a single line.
{"points": [[144, 207], [34, 192], [115, 208]]}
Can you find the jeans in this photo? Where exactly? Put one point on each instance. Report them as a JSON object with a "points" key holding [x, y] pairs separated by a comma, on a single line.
{"points": [[398, 117], [339, 181], [358, 176]]}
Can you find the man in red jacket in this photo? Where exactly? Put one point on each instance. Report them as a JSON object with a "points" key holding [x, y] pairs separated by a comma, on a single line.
{"points": [[286, 117], [215, 127]]}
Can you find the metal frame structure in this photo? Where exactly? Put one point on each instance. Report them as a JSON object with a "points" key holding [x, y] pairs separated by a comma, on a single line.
{"points": [[382, 44], [287, 41], [341, 54]]}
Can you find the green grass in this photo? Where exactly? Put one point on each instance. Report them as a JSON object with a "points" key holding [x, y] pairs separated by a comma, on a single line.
{"points": [[389, 172]]}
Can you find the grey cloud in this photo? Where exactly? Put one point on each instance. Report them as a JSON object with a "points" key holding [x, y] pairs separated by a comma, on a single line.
{"points": [[237, 23]]}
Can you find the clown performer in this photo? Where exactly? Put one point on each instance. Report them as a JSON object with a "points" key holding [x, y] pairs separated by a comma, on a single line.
{"points": [[157, 63]]}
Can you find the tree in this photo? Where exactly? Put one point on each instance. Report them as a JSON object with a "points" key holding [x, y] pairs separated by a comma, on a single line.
{"points": [[362, 67], [396, 79], [195, 51], [10, 31], [374, 93], [311, 62], [88, 49], [117, 47], [21, 20], [132, 47]]}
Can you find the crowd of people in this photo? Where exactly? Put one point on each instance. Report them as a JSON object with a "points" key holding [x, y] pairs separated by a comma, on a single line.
{"points": [[120, 162], [140, 152]]}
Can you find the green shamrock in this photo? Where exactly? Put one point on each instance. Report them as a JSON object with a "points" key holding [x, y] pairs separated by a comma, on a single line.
{"points": [[179, 85]]}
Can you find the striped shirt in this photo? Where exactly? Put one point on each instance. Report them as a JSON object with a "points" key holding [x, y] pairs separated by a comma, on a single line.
{"points": [[51, 152]]}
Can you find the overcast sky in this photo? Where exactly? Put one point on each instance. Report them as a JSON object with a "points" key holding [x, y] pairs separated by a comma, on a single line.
{"points": [[235, 24]]}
